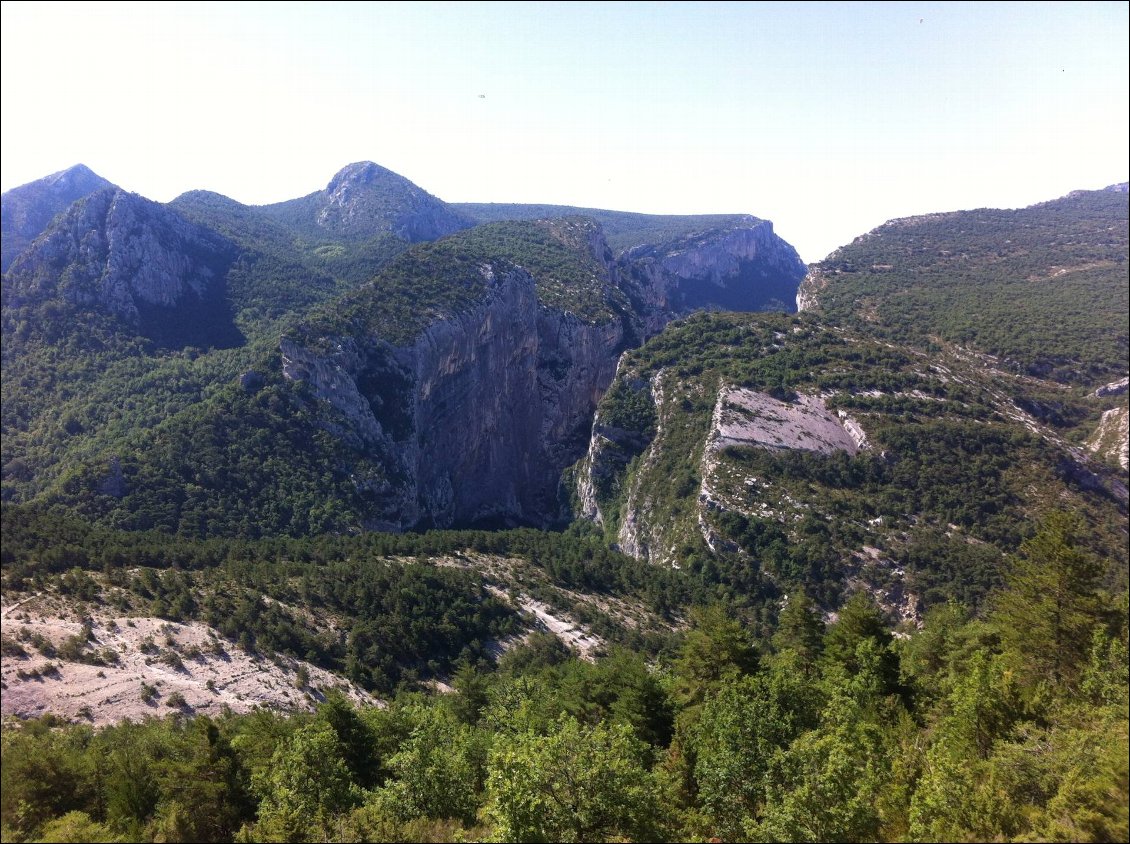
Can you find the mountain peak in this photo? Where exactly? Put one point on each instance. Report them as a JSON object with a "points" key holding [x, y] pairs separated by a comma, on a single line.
{"points": [[364, 199], [361, 173], [28, 209], [77, 174]]}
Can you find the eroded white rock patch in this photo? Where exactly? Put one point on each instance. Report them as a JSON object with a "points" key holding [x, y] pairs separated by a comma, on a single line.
{"points": [[746, 417], [150, 667]]}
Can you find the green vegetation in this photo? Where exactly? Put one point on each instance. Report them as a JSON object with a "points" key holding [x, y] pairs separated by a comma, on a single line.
{"points": [[281, 273], [81, 386], [622, 229], [943, 491], [1043, 288], [750, 686], [438, 280], [400, 616], [841, 733]]}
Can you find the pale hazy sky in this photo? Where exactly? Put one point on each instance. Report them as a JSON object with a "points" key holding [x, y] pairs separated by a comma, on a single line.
{"points": [[827, 118]]}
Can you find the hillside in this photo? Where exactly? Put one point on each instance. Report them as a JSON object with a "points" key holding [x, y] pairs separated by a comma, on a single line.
{"points": [[779, 453], [173, 365], [364, 199], [479, 356], [1043, 289], [28, 209]]}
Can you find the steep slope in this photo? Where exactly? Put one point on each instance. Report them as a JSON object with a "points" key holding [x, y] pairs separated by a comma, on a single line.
{"points": [[1111, 438], [365, 199], [26, 211], [106, 321], [776, 452], [145, 381], [126, 312], [1041, 288], [475, 392], [742, 266], [119, 254]]}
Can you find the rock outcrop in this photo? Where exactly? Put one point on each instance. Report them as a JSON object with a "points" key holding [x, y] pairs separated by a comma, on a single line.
{"points": [[459, 379], [1111, 438], [474, 420], [806, 294], [119, 253], [741, 417], [744, 267], [26, 211]]}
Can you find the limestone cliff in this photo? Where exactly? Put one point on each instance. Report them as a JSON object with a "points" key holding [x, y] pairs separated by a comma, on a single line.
{"points": [[474, 420], [473, 417], [809, 289], [741, 267], [1111, 438], [769, 451]]}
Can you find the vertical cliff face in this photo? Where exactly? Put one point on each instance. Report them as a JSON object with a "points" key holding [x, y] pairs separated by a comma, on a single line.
{"points": [[743, 267], [475, 420], [809, 290]]}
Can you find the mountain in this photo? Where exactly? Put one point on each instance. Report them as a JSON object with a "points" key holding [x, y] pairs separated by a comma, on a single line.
{"points": [[27, 210], [365, 199], [453, 389], [853, 573], [728, 261], [407, 373], [132, 258], [1042, 289]]}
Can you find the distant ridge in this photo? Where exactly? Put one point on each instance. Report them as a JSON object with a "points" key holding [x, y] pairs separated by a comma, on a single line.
{"points": [[622, 229]]}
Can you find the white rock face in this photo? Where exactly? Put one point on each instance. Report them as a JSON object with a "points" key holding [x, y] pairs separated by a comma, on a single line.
{"points": [[1114, 388], [741, 417], [1112, 437], [807, 292], [745, 417], [212, 673]]}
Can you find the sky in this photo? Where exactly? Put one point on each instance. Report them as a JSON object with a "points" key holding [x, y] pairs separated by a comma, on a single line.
{"points": [[826, 118]]}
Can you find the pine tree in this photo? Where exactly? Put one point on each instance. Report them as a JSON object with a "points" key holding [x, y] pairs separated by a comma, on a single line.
{"points": [[1048, 612]]}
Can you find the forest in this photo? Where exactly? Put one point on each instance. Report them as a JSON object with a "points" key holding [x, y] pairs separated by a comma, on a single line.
{"points": [[1005, 724], [919, 634]]}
